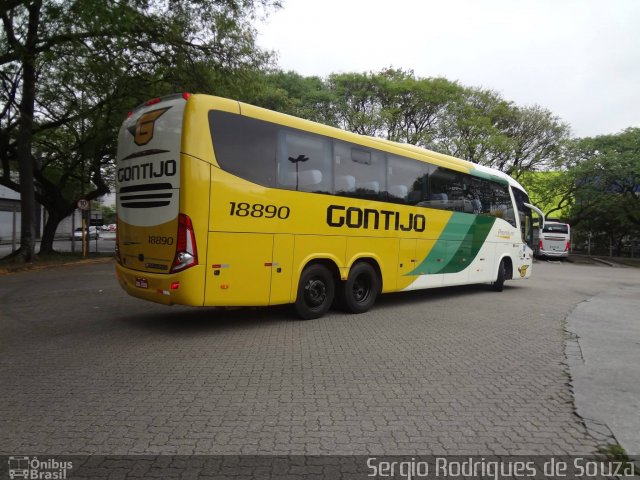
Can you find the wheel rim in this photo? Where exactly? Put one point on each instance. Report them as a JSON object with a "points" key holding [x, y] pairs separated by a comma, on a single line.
{"points": [[361, 288], [315, 292]]}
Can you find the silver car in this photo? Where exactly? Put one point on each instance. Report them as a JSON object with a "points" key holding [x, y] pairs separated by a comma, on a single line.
{"points": [[92, 233]]}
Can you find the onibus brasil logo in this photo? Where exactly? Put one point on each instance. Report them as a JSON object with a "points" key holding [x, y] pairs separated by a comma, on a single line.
{"points": [[33, 468]]}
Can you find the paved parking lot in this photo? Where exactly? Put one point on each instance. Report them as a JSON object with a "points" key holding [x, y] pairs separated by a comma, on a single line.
{"points": [[86, 369]]}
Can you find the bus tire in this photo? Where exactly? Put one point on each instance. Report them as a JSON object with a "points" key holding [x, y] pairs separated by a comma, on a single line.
{"points": [[498, 285], [361, 289], [316, 291]]}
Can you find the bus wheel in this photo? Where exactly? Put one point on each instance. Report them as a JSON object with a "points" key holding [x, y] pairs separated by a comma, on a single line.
{"points": [[361, 288], [498, 285], [315, 292]]}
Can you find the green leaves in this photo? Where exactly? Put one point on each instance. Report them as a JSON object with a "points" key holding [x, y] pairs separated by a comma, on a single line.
{"points": [[435, 113], [88, 63]]}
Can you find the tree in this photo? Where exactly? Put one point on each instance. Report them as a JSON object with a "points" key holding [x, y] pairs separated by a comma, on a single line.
{"points": [[67, 67], [552, 191], [392, 104], [484, 128], [108, 214], [357, 107], [22, 41], [291, 93], [413, 108], [471, 123], [608, 185], [474, 127], [536, 141]]}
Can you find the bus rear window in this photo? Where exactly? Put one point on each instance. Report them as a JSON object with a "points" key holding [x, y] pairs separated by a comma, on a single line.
{"points": [[244, 146], [555, 228]]}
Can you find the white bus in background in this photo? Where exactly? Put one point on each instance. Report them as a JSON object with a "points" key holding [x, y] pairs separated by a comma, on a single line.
{"points": [[554, 241]]}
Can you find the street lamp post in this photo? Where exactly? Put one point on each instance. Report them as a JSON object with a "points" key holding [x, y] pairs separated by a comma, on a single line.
{"points": [[296, 161]]}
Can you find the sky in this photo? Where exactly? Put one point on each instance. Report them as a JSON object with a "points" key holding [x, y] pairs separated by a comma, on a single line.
{"points": [[580, 59]]}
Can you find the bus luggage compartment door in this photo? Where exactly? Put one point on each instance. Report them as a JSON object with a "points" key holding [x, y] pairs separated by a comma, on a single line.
{"points": [[281, 269], [239, 269]]}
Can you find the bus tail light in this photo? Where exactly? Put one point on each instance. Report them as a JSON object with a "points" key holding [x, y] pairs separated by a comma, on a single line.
{"points": [[186, 250], [567, 246], [540, 244]]}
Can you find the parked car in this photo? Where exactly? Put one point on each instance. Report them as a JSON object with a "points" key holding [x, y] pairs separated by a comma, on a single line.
{"points": [[92, 233]]}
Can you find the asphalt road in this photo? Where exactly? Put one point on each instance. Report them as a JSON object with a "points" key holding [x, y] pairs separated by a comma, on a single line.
{"points": [[85, 369]]}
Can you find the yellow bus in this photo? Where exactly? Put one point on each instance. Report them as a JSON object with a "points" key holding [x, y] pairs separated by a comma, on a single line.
{"points": [[226, 204]]}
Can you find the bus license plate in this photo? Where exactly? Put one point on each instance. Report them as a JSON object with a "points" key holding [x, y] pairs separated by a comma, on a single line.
{"points": [[142, 282]]}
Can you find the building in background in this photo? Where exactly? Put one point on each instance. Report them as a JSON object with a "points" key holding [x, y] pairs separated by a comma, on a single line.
{"points": [[10, 216]]}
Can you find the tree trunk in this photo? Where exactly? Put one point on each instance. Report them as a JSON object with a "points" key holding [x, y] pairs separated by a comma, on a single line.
{"points": [[49, 232], [57, 210], [619, 246], [24, 138]]}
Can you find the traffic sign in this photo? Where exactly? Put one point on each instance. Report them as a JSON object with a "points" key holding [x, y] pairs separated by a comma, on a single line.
{"points": [[84, 204]]}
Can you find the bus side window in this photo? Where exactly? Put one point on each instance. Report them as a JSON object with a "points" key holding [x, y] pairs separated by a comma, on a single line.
{"points": [[481, 194], [501, 205], [407, 180], [359, 172], [251, 160], [304, 162], [442, 189]]}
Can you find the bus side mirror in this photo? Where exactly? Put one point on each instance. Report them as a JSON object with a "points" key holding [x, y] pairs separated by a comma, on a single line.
{"points": [[538, 211]]}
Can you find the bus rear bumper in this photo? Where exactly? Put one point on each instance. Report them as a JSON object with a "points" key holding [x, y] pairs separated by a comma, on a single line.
{"points": [[183, 288], [553, 253]]}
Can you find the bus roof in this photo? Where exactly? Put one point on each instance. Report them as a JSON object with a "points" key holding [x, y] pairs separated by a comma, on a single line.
{"points": [[389, 146], [474, 168]]}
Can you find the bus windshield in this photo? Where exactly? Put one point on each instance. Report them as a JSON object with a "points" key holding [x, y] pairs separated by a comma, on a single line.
{"points": [[525, 215]]}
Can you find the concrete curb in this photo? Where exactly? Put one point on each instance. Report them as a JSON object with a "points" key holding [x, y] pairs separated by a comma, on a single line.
{"points": [[608, 263]]}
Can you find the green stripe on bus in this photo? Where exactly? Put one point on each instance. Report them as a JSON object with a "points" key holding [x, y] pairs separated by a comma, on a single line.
{"points": [[467, 250], [489, 176], [459, 243]]}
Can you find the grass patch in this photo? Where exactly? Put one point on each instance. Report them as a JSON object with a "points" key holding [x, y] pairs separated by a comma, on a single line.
{"points": [[580, 259], [14, 264], [616, 453], [630, 262], [586, 260]]}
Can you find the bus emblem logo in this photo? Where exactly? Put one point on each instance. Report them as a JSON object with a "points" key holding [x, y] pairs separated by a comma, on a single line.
{"points": [[142, 131], [523, 270]]}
